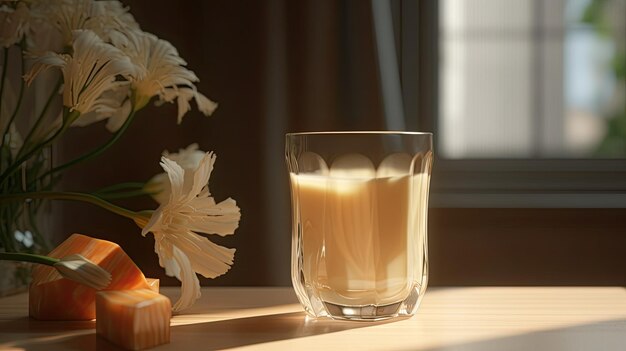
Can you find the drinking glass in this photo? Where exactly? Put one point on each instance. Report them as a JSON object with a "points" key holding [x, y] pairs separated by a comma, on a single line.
{"points": [[359, 221]]}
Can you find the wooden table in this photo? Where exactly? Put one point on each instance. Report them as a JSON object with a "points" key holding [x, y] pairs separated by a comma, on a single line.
{"points": [[481, 318]]}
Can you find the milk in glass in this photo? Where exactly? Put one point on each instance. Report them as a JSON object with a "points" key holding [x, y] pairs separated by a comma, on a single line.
{"points": [[358, 224]]}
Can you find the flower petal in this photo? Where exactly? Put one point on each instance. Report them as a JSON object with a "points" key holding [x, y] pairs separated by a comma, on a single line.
{"points": [[105, 18], [205, 105], [154, 223], [176, 174], [207, 258], [189, 158], [82, 270], [190, 286], [119, 117], [42, 63], [201, 175], [113, 105], [165, 251], [184, 96], [14, 23], [221, 219]]}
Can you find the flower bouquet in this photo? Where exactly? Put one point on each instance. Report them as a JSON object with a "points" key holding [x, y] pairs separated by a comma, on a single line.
{"points": [[71, 63]]}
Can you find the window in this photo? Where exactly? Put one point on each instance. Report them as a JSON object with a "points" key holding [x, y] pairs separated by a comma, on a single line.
{"points": [[529, 101], [531, 79]]}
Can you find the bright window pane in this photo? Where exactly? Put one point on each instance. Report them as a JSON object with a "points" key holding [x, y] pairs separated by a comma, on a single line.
{"points": [[532, 79]]}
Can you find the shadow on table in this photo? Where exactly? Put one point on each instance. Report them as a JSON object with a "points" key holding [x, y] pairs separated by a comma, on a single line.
{"points": [[605, 336], [26, 324], [218, 300], [10, 331], [216, 335]]}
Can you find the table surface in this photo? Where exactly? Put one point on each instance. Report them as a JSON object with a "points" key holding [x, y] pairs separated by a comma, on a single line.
{"points": [[464, 318]]}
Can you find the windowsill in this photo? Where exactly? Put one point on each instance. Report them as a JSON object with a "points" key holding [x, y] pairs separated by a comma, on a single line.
{"points": [[526, 200], [528, 183]]}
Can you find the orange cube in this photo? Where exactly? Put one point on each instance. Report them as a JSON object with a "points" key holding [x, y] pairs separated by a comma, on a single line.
{"points": [[52, 297], [133, 319]]}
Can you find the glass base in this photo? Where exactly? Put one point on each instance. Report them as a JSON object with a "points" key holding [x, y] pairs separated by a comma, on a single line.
{"points": [[363, 313], [317, 308]]}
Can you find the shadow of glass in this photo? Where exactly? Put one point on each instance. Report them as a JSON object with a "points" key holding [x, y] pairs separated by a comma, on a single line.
{"points": [[261, 329], [220, 299]]}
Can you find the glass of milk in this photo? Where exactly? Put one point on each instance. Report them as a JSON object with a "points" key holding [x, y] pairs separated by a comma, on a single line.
{"points": [[359, 221]]}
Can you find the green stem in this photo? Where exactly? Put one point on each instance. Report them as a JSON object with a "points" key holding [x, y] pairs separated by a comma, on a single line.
{"points": [[31, 132], [92, 154], [19, 99], [24, 257], [59, 195], [20, 96], [123, 194], [38, 148], [8, 214], [118, 187], [5, 63]]}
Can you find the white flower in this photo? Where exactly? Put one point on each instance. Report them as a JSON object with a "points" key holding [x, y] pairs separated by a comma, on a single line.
{"points": [[91, 70], [112, 19], [162, 73], [105, 18], [188, 159], [115, 108], [176, 223], [81, 270], [14, 23]]}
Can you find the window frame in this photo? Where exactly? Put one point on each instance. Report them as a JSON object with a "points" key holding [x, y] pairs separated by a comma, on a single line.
{"points": [[491, 183]]}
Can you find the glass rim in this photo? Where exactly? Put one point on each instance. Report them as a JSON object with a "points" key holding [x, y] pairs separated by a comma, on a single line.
{"points": [[356, 132]]}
